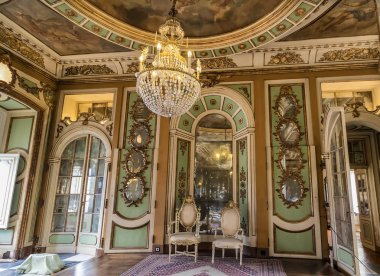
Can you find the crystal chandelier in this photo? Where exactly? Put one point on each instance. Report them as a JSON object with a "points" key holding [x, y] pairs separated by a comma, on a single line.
{"points": [[169, 86]]}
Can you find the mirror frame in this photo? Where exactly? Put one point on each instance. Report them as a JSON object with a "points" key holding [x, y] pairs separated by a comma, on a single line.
{"points": [[294, 104], [285, 143], [138, 106], [134, 134], [128, 157], [301, 185], [125, 186], [282, 154]]}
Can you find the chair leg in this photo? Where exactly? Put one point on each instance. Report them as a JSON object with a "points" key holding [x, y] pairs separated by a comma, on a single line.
{"points": [[213, 253], [170, 251], [241, 255], [175, 249], [196, 252], [236, 253], [222, 252]]}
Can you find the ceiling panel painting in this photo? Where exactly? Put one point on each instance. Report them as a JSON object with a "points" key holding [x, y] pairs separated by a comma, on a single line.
{"points": [[200, 18], [55, 31], [348, 18]]}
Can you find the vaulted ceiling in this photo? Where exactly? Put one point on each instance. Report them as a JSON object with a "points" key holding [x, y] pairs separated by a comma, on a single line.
{"points": [[71, 30]]}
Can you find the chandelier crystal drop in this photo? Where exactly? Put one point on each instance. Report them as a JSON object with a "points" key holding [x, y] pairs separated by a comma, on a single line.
{"points": [[168, 85]]}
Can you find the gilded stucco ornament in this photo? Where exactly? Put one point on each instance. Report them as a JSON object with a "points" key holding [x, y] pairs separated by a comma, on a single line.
{"points": [[89, 70], [358, 107], [216, 63], [286, 58], [26, 85], [17, 45], [350, 54]]}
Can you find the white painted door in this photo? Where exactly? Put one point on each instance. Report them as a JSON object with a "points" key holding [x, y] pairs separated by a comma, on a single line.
{"points": [[339, 192]]}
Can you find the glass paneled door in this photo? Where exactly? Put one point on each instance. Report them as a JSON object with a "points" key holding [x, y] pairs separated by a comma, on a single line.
{"points": [[339, 192], [80, 191]]}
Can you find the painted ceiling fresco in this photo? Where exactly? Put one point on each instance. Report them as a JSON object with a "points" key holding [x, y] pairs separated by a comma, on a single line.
{"points": [[199, 18], [348, 18], [55, 31]]}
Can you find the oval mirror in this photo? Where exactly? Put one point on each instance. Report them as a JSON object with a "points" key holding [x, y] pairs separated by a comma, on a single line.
{"points": [[135, 189], [286, 106], [288, 133], [291, 189], [140, 136], [135, 161], [140, 113], [290, 160]]}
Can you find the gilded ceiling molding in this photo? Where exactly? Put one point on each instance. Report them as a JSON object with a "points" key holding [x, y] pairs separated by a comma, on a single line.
{"points": [[286, 58], [17, 45], [285, 18], [89, 70], [217, 63], [350, 54]]}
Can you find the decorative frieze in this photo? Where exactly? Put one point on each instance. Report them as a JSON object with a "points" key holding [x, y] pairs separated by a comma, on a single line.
{"points": [[88, 70], [350, 54], [286, 58], [216, 63]]}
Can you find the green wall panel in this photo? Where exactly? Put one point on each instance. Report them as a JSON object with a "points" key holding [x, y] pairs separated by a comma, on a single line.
{"points": [[229, 106], [242, 88], [197, 108], [212, 102], [240, 120], [294, 242], [345, 257], [186, 122], [6, 236], [62, 239], [182, 171], [20, 131], [16, 198], [87, 239], [11, 104], [130, 238], [243, 184]]}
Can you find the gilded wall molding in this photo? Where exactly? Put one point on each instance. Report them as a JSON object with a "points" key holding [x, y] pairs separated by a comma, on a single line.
{"points": [[88, 70], [17, 45], [286, 58], [350, 54]]}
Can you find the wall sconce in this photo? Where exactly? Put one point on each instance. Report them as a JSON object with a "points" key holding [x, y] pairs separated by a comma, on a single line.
{"points": [[7, 73]]}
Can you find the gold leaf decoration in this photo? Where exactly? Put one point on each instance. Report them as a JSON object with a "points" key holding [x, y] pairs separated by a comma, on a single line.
{"points": [[17, 45], [286, 58], [88, 70], [350, 54], [216, 63]]}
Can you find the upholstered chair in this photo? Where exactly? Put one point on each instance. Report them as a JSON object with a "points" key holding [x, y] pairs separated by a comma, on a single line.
{"points": [[232, 233], [187, 217]]}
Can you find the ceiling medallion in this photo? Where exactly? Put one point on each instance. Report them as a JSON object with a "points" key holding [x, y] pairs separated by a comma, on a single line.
{"points": [[169, 86]]}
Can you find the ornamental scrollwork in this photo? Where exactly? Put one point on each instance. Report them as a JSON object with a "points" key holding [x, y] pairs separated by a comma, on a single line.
{"points": [[216, 63], [350, 54], [88, 70], [286, 58], [357, 107]]}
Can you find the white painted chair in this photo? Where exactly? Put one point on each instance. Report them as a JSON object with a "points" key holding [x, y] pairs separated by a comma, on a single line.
{"points": [[188, 217], [232, 233]]}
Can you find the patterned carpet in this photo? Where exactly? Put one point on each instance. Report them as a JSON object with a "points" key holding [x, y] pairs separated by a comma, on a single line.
{"points": [[184, 266]]}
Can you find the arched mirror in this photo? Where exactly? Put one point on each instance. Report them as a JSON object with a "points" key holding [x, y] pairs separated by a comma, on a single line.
{"points": [[213, 168]]}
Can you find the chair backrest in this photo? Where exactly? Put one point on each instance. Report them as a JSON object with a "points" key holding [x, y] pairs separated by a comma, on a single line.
{"points": [[230, 222], [188, 215]]}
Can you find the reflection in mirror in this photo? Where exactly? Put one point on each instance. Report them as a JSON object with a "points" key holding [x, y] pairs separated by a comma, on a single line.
{"points": [[290, 159], [134, 189], [291, 190], [135, 161], [286, 106], [140, 112], [289, 133], [140, 135], [213, 169]]}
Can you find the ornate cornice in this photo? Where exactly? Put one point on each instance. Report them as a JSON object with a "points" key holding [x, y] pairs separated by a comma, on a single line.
{"points": [[88, 70], [350, 54], [17, 45], [286, 58]]}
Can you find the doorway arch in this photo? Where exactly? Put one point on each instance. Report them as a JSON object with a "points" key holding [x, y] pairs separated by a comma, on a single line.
{"points": [[239, 113]]}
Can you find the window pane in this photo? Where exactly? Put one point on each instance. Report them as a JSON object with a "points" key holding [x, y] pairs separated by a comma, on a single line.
{"points": [[60, 204], [95, 147], [80, 148], [89, 206], [63, 185], [92, 167], [101, 167], [99, 185], [102, 150], [86, 225], [75, 185], [98, 201], [58, 224], [95, 223], [65, 169], [71, 222], [91, 185], [73, 203], [78, 168], [69, 151]]}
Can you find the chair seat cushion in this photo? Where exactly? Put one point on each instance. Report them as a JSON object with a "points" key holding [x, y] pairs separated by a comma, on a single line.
{"points": [[184, 238], [228, 243]]}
